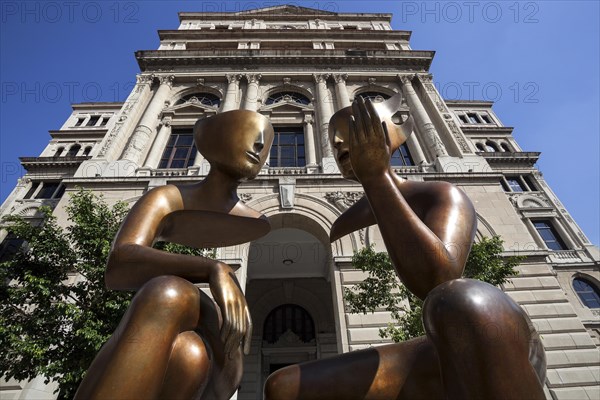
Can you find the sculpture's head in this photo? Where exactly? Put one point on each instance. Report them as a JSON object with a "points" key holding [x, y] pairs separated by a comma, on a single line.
{"points": [[235, 142], [399, 125]]}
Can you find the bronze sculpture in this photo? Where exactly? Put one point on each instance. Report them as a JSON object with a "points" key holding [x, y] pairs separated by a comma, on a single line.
{"points": [[173, 342], [479, 343]]}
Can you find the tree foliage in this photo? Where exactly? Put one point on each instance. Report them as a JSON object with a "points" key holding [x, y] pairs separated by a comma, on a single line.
{"points": [[382, 288], [55, 312]]}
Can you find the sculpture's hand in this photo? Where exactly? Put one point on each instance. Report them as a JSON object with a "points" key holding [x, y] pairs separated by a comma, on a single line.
{"points": [[237, 324], [369, 142]]}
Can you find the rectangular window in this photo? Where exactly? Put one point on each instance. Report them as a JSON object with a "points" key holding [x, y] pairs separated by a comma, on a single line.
{"points": [[180, 151], [288, 147], [93, 120], [518, 184], [104, 121], [514, 183], [31, 191], [47, 190], [473, 118], [402, 157], [10, 246], [486, 118], [463, 118], [79, 121], [549, 235]]}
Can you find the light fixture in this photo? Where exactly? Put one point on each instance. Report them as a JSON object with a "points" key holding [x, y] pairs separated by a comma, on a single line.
{"points": [[288, 261]]}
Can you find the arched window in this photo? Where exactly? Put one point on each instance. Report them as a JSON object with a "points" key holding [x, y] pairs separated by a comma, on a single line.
{"points": [[74, 150], [587, 292], [375, 97], [288, 317], [480, 147], [287, 96], [59, 151], [87, 151], [505, 147], [208, 99], [491, 146]]}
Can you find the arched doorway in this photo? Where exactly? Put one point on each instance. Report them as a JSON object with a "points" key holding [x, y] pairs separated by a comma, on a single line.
{"points": [[290, 298]]}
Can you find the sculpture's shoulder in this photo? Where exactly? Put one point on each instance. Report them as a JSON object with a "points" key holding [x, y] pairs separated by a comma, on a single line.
{"points": [[441, 193], [161, 200]]}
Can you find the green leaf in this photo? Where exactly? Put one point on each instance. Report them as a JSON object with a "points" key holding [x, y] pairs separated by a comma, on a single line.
{"points": [[382, 290]]}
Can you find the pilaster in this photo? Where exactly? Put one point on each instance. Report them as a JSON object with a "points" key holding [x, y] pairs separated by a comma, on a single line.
{"points": [[146, 129]]}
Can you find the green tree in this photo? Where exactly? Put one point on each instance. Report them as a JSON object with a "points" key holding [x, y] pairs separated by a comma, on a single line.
{"points": [[55, 312], [382, 288]]}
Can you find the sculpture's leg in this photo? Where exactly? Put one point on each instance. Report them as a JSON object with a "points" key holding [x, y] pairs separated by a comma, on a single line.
{"points": [[406, 370], [483, 341], [188, 370], [133, 363]]}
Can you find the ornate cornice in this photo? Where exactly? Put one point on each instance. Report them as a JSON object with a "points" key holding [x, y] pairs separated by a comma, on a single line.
{"points": [[36, 163], [172, 60], [528, 158]]}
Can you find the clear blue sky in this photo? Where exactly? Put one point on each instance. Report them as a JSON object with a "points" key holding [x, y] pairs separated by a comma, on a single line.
{"points": [[538, 59]]}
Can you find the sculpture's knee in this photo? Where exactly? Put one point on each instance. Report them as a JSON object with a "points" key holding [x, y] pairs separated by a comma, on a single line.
{"points": [[466, 312], [282, 384], [171, 296]]}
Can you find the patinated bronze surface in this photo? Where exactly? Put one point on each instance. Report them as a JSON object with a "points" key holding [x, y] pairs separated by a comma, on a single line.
{"points": [[174, 342], [479, 343]]}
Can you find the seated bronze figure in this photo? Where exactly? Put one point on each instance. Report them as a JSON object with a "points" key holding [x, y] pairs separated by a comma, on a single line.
{"points": [[174, 342], [479, 343]]}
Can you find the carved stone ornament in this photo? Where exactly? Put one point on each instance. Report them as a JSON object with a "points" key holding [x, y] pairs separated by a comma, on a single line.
{"points": [[321, 78], [287, 81], [166, 121], [464, 146], [407, 78], [245, 197], [166, 80], [231, 78], [343, 200], [340, 78], [253, 78]]}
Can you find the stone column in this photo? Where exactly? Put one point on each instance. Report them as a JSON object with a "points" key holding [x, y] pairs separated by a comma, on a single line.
{"points": [[146, 129], [251, 99], [415, 149], [158, 147], [233, 92], [424, 125], [325, 112], [341, 91], [309, 141]]}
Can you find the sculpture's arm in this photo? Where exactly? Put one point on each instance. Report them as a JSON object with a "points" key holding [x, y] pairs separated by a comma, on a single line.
{"points": [[424, 252], [132, 262]]}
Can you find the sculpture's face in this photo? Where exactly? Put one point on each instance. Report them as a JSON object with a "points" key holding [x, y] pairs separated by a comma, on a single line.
{"points": [[236, 142], [339, 131]]}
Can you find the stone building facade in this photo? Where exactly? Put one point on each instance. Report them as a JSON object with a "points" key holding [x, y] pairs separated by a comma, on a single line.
{"points": [[298, 66]]}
